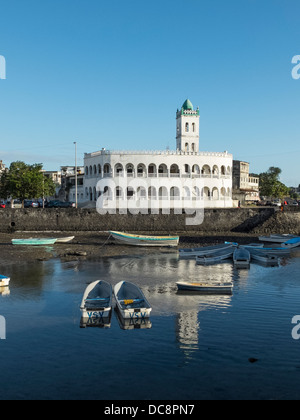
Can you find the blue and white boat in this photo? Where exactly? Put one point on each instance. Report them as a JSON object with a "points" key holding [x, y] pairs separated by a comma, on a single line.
{"points": [[141, 240], [131, 301], [4, 281], [291, 243], [97, 300]]}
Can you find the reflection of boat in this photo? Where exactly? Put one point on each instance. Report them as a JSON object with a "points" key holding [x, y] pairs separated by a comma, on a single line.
{"points": [[291, 243], [209, 288], [131, 301], [97, 300], [206, 250], [34, 241], [215, 258], [132, 323], [141, 240], [258, 255], [241, 258], [276, 238], [64, 240], [4, 281], [96, 322]]}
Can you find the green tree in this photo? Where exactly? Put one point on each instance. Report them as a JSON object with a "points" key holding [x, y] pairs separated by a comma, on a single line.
{"points": [[24, 181], [270, 185]]}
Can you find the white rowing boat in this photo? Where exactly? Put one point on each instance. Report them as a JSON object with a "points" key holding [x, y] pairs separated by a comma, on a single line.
{"points": [[131, 301], [207, 288], [142, 240], [97, 300]]}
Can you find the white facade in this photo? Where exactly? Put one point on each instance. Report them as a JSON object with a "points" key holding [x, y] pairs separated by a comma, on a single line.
{"points": [[175, 179]]}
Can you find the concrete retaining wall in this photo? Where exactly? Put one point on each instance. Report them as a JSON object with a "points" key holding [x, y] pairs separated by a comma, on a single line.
{"points": [[256, 220]]}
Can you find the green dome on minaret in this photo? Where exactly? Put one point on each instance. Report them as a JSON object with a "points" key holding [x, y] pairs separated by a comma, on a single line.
{"points": [[188, 106]]}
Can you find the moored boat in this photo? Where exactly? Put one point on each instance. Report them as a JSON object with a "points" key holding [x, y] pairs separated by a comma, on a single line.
{"points": [[97, 300], [215, 258], [142, 240], [276, 238], [34, 241], [258, 255], [206, 250], [207, 288], [4, 281], [291, 243], [241, 258], [276, 251], [131, 301]]}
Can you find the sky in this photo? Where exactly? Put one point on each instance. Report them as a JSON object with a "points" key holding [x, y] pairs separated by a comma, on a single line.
{"points": [[113, 73]]}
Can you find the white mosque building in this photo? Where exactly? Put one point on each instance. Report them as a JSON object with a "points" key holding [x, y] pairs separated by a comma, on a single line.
{"points": [[183, 178]]}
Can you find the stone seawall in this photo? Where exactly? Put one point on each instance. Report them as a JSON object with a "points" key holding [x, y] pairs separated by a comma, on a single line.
{"points": [[248, 220]]}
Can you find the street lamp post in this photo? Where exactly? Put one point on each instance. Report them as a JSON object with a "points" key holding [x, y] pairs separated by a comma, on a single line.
{"points": [[76, 199]]}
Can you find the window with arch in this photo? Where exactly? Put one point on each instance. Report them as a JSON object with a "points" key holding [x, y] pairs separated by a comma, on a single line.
{"points": [[187, 127]]}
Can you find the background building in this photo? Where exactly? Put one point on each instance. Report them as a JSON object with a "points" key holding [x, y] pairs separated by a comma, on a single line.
{"points": [[175, 177], [245, 186]]}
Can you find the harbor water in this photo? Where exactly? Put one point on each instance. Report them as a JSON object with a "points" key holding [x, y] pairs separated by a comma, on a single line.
{"points": [[196, 347]]}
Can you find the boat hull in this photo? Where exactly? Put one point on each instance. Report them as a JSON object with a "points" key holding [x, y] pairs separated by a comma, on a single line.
{"points": [[64, 240], [214, 258], [147, 241], [34, 241], [205, 251], [214, 288]]}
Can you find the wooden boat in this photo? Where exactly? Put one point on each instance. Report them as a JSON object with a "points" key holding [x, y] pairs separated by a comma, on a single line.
{"points": [[4, 281], [215, 258], [64, 240], [97, 300], [276, 238], [131, 302], [241, 258], [34, 241], [207, 288], [141, 240], [206, 250], [292, 243], [258, 255]]}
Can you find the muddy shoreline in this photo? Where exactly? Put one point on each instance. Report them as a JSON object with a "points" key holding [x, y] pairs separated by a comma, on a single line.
{"points": [[95, 245]]}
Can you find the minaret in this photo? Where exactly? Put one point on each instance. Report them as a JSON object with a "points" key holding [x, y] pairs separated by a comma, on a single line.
{"points": [[188, 128]]}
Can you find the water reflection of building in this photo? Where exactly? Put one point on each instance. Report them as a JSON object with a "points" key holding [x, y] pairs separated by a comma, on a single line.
{"points": [[187, 331]]}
